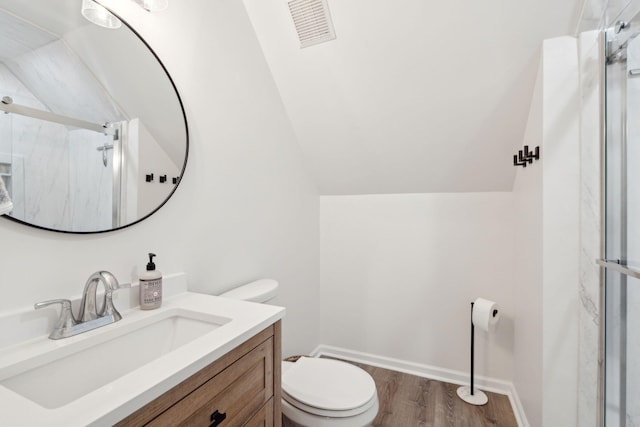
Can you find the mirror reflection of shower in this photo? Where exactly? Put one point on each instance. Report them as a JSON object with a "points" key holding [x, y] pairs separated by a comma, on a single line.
{"points": [[50, 154]]}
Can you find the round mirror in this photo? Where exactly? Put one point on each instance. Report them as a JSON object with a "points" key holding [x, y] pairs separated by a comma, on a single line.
{"points": [[93, 134]]}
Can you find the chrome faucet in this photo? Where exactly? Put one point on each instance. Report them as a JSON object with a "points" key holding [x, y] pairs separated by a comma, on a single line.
{"points": [[89, 316], [88, 306]]}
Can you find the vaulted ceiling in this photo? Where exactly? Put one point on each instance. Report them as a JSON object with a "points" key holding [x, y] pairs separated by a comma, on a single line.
{"points": [[412, 96]]}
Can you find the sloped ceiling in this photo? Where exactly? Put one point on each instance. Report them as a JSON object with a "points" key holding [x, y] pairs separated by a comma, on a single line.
{"points": [[38, 58], [412, 96]]}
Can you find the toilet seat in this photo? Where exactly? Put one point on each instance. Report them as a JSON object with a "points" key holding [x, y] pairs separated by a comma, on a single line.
{"points": [[328, 388]]}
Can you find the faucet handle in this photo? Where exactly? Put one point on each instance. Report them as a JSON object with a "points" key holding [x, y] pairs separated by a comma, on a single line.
{"points": [[65, 322]]}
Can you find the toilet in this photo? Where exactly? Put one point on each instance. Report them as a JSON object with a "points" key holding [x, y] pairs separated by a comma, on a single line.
{"points": [[318, 392]]}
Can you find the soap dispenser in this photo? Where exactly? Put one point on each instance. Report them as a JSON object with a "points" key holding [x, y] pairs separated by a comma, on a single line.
{"points": [[150, 286]]}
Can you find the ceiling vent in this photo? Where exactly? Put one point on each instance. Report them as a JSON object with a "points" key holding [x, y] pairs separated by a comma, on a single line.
{"points": [[312, 21]]}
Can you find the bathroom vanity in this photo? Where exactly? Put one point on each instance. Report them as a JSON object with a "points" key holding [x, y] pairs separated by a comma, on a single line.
{"points": [[242, 388], [198, 359]]}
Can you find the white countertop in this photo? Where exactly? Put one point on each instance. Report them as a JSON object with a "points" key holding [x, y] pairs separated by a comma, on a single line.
{"points": [[114, 401]]}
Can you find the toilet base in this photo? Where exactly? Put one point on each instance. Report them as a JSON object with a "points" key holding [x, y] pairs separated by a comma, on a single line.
{"points": [[294, 417], [286, 422]]}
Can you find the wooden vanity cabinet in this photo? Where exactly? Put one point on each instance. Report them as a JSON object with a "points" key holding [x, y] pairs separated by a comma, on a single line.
{"points": [[242, 388]]}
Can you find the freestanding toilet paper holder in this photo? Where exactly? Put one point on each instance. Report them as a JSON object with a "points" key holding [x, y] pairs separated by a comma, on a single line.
{"points": [[468, 393]]}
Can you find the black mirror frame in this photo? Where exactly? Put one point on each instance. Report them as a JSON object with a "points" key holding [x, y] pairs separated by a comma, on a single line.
{"points": [[186, 154]]}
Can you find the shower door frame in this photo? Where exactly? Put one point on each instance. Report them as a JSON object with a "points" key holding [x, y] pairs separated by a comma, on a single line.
{"points": [[615, 272]]}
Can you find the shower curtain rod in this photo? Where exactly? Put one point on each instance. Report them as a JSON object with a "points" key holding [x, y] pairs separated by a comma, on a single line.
{"points": [[8, 106]]}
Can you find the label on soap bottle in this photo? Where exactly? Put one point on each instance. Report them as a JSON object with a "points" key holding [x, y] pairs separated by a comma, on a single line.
{"points": [[150, 293]]}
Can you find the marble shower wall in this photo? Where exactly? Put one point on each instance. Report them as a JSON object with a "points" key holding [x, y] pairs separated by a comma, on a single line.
{"points": [[39, 148], [91, 181], [590, 230], [63, 84], [48, 160]]}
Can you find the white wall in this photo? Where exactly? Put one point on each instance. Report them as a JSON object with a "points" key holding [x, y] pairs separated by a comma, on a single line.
{"points": [[560, 216], [378, 110], [152, 159], [398, 273], [547, 212], [527, 189], [245, 208]]}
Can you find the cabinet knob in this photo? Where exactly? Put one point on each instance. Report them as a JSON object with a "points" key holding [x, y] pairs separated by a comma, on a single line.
{"points": [[217, 418]]}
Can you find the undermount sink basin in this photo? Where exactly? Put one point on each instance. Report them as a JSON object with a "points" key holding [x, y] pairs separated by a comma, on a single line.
{"points": [[85, 364]]}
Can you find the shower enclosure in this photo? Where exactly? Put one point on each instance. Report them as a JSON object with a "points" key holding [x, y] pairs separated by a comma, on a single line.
{"points": [[622, 228], [60, 172]]}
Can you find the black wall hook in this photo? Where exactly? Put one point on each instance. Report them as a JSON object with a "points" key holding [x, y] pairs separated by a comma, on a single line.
{"points": [[526, 157], [162, 178]]}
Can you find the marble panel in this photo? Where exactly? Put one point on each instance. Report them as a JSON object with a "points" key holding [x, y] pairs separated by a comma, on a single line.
{"points": [[58, 78], [39, 150], [18, 36], [91, 181], [590, 229]]}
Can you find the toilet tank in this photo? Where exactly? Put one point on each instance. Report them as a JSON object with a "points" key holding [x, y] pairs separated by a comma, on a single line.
{"points": [[261, 291]]}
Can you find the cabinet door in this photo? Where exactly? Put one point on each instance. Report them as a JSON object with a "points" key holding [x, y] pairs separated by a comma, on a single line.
{"points": [[264, 417], [231, 397]]}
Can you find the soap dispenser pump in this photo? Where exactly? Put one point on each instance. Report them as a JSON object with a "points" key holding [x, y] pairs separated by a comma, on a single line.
{"points": [[150, 286]]}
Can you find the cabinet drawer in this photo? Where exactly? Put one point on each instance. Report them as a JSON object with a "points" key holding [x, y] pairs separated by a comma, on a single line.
{"points": [[232, 396]]}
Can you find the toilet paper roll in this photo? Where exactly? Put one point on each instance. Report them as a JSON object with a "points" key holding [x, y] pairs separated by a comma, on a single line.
{"points": [[485, 314]]}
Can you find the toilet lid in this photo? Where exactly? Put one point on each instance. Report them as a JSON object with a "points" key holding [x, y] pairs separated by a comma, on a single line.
{"points": [[328, 384]]}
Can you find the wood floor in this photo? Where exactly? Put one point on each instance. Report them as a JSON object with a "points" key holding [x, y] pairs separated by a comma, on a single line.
{"points": [[410, 401]]}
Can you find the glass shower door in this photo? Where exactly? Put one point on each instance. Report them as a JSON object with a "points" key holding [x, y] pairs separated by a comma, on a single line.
{"points": [[622, 238]]}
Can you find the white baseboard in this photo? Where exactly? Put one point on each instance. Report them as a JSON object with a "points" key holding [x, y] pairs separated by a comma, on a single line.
{"points": [[431, 372]]}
